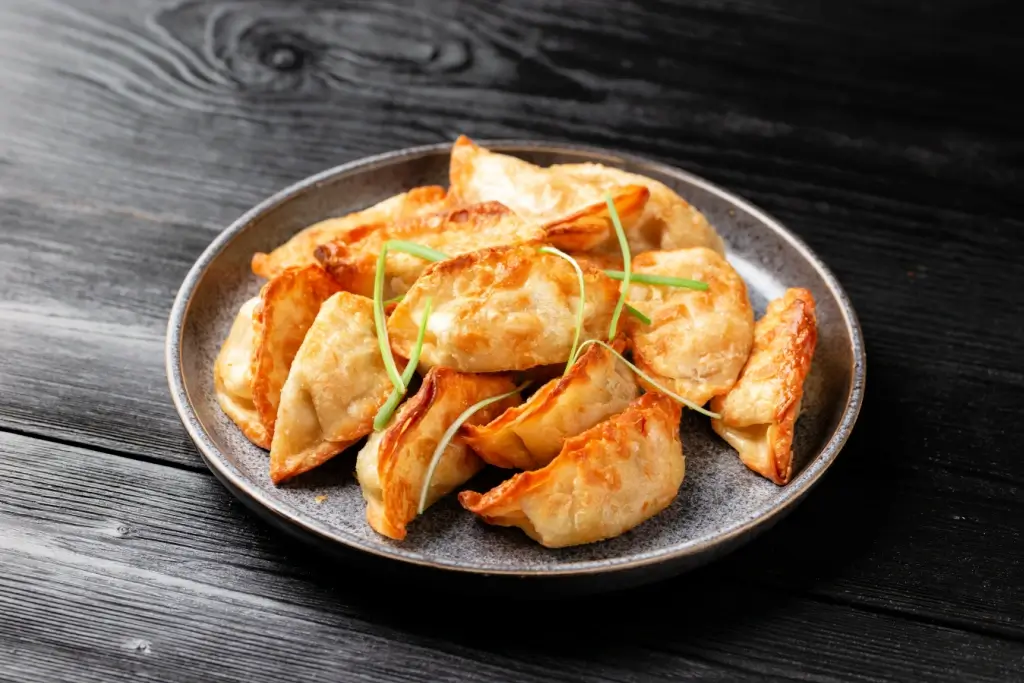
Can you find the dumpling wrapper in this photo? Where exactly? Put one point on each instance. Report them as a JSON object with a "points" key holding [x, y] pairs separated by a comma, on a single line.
{"points": [[697, 341], [288, 305], [393, 464], [336, 386], [500, 309], [299, 250], [232, 376], [530, 435], [353, 263], [668, 222], [760, 412], [604, 482]]}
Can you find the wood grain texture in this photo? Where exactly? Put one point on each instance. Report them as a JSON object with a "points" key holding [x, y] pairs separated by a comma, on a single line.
{"points": [[881, 133], [156, 570]]}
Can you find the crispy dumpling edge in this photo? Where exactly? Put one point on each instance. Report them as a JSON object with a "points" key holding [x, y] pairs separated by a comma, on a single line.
{"points": [[509, 492], [477, 435], [325, 287], [380, 515], [797, 359], [247, 421]]}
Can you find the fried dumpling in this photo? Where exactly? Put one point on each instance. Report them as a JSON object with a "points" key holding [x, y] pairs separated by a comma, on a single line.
{"points": [[530, 435], [336, 386], [604, 482], [298, 251], [392, 465], [697, 341], [353, 262], [288, 305], [232, 376], [668, 221], [499, 309], [761, 410]]}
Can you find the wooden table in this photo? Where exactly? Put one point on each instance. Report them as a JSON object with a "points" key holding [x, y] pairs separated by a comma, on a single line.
{"points": [[887, 135]]}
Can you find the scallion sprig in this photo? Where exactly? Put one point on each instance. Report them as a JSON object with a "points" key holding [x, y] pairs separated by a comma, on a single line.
{"points": [[580, 308], [425, 253], [627, 265], [685, 401], [449, 434], [638, 314], [651, 279], [380, 323], [388, 409]]}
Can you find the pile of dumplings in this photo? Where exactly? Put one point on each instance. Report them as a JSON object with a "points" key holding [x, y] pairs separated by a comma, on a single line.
{"points": [[592, 449]]}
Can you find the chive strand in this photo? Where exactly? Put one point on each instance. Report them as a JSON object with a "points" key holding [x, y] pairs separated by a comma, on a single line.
{"points": [[627, 264], [671, 394], [580, 309], [387, 410], [379, 321], [653, 279], [449, 434]]}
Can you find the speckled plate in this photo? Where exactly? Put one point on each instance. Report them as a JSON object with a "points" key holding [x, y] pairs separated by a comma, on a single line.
{"points": [[721, 503]]}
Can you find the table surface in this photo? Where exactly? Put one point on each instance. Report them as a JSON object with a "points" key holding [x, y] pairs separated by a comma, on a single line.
{"points": [[885, 134]]}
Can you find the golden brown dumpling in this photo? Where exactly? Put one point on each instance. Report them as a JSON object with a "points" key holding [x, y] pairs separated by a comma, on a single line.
{"points": [[232, 376], [298, 251], [392, 465], [668, 221], [697, 341], [504, 308], [530, 435], [761, 410], [336, 386], [605, 481], [353, 262], [288, 305]]}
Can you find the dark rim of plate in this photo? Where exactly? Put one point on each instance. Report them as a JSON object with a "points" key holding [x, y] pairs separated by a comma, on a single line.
{"points": [[229, 474]]}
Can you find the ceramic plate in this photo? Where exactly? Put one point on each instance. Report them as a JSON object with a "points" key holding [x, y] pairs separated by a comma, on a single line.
{"points": [[721, 503]]}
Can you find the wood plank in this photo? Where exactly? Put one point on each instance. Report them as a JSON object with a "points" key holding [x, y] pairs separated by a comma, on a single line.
{"points": [[155, 569]]}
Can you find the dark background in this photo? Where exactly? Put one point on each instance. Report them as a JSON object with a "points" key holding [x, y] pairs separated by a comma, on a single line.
{"points": [[888, 135]]}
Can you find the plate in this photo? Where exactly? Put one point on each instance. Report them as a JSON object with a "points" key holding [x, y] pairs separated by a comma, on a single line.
{"points": [[721, 503]]}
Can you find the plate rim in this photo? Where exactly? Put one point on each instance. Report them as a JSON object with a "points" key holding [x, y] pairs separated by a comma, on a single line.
{"points": [[724, 542]]}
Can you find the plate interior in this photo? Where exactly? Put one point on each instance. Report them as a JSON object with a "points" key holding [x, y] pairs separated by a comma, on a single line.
{"points": [[719, 495]]}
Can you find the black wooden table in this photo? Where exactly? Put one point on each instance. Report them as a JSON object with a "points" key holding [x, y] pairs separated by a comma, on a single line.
{"points": [[886, 134]]}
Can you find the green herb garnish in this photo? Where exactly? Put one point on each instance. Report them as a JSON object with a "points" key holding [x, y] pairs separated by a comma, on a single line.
{"points": [[450, 434], [379, 322], [394, 300], [627, 264], [645, 279], [685, 401], [425, 253], [386, 410], [582, 304], [638, 314]]}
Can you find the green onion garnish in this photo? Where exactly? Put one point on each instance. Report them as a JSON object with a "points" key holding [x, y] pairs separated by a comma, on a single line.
{"points": [[645, 279], [638, 314], [425, 253], [627, 264], [450, 434], [394, 300], [386, 410], [582, 304], [685, 401], [378, 320]]}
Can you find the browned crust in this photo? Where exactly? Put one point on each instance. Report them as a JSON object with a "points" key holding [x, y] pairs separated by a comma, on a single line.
{"points": [[592, 225], [352, 261], [793, 364], [544, 399], [285, 469], [317, 286], [516, 259], [301, 246], [490, 505], [399, 501]]}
